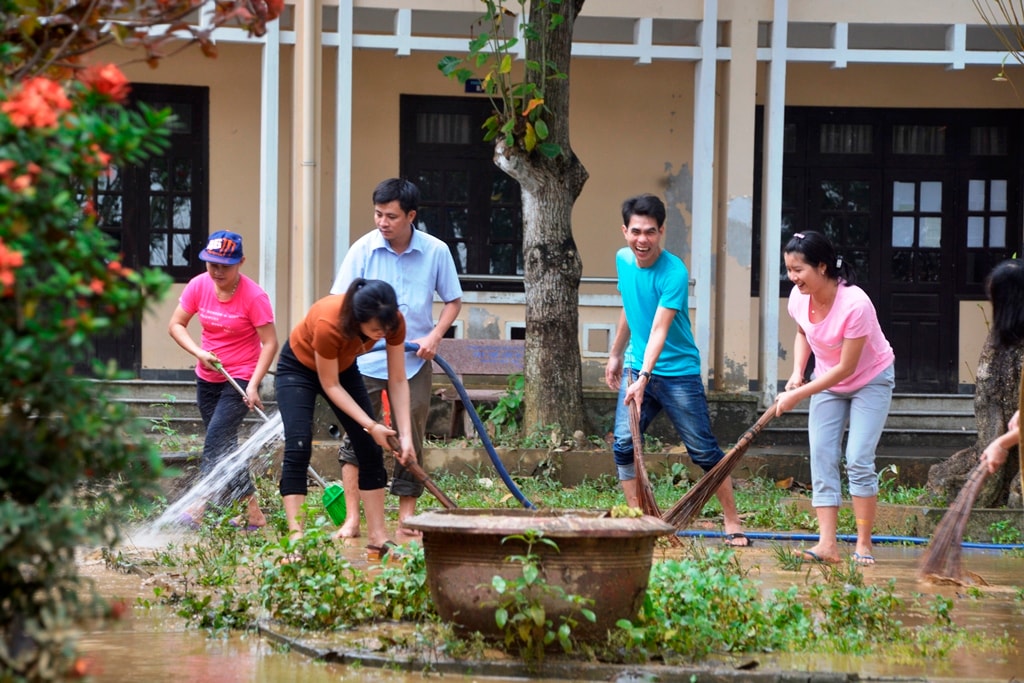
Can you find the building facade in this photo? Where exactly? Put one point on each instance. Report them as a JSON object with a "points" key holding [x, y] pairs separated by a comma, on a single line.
{"points": [[892, 127]]}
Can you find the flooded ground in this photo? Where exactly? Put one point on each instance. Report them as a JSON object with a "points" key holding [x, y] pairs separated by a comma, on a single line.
{"points": [[153, 645]]}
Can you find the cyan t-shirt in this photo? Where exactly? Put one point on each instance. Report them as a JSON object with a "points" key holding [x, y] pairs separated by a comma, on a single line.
{"points": [[643, 290]]}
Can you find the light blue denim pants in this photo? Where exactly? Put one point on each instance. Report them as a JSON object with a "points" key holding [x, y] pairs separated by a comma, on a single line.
{"points": [[866, 410]]}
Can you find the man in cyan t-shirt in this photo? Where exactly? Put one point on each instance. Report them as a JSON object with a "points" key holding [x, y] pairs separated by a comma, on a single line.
{"points": [[663, 367]]}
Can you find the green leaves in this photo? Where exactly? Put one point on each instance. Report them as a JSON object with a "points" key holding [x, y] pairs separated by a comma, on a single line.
{"points": [[518, 98], [521, 605]]}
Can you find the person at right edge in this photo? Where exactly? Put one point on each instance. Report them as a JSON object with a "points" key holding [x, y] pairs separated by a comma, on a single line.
{"points": [[655, 322], [852, 382]]}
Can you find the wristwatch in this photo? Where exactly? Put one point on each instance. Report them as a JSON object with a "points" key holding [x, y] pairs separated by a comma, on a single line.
{"points": [[644, 373]]}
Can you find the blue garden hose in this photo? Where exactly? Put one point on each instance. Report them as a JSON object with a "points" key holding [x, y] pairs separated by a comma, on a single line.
{"points": [[477, 422], [849, 538]]}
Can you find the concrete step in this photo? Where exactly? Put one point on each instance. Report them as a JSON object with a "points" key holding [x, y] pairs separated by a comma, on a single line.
{"points": [[943, 421]]}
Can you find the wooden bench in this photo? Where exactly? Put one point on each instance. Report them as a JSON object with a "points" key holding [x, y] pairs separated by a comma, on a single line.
{"points": [[483, 363]]}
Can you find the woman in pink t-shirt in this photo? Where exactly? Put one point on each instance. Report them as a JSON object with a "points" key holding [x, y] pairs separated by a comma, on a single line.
{"points": [[238, 332], [852, 382]]}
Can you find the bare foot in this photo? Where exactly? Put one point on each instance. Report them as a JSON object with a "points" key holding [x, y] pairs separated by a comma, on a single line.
{"points": [[347, 531], [407, 533]]}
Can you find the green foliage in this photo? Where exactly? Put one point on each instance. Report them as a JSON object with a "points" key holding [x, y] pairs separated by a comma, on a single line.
{"points": [[61, 284], [889, 491], [520, 604], [314, 589], [59, 430], [518, 98], [1005, 532], [508, 411]]}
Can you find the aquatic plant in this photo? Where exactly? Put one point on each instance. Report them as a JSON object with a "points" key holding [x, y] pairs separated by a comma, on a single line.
{"points": [[519, 603]]}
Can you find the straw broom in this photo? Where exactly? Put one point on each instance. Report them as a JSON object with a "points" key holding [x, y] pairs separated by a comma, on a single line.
{"points": [[648, 505], [941, 561], [690, 505]]}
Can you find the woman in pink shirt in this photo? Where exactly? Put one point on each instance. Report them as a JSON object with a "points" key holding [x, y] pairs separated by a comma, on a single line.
{"points": [[852, 382], [237, 332]]}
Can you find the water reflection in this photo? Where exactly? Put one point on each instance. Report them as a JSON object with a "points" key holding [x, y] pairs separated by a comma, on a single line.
{"points": [[155, 646]]}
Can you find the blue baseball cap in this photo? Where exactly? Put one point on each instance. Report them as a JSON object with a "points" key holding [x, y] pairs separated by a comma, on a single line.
{"points": [[224, 247]]}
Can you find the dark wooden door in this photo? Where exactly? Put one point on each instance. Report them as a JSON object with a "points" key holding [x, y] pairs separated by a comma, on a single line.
{"points": [[157, 212], [919, 310], [466, 200]]}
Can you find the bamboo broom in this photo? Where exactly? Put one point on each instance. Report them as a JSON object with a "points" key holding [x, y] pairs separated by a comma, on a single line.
{"points": [[941, 561], [690, 505], [648, 504]]}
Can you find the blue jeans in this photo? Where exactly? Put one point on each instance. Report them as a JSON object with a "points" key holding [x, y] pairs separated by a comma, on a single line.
{"points": [[683, 400], [222, 410], [866, 409], [297, 388]]}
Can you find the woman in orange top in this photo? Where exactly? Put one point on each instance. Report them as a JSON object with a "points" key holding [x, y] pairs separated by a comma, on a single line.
{"points": [[319, 358]]}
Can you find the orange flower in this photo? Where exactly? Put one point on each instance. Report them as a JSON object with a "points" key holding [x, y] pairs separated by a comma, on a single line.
{"points": [[36, 103], [9, 260], [22, 182], [6, 166], [102, 158], [106, 79], [97, 286]]}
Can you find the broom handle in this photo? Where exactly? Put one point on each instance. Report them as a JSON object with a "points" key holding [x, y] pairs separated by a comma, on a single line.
{"points": [[421, 474], [241, 391]]}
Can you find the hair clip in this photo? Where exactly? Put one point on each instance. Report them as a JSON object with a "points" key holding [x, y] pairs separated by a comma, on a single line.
{"points": [[839, 262], [798, 235]]}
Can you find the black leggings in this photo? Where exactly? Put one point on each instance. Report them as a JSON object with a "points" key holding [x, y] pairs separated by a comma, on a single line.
{"points": [[296, 388]]}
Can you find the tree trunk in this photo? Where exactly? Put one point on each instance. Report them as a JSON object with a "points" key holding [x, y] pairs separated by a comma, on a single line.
{"points": [[552, 266], [995, 400]]}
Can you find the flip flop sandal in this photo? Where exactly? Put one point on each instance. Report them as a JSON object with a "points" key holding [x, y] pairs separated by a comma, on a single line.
{"points": [[379, 552], [811, 556], [739, 535], [863, 560], [244, 528]]}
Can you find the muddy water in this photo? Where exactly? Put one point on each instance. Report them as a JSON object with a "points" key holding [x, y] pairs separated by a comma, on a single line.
{"points": [[154, 646]]}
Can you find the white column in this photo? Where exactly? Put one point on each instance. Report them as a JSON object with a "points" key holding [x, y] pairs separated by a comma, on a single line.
{"points": [[702, 254], [270, 124], [771, 231], [343, 136]]}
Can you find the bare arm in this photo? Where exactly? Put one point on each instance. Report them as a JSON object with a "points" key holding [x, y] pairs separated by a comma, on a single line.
{"points": [[613, 370], [849, 356], [178, 329], [327, 372], [995, 453], [398, 396], [655, 343], [429, 343], [268, 339]]}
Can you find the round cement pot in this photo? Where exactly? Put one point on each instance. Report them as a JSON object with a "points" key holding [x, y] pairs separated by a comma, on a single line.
{"points": [[607, 560]]}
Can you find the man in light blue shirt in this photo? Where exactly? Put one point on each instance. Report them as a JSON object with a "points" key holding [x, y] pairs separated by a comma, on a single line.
{"points": [[417, 265]]}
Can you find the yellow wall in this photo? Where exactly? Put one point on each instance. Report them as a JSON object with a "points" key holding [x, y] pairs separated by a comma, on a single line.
{"points": [[632, 127]]}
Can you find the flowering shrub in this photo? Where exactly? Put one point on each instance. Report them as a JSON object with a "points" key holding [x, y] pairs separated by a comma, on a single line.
{"points": [[61, 283], [62, 126]]}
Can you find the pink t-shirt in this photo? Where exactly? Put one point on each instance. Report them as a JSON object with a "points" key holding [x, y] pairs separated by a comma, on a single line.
{"points": [[228, 327], [852, 316]]}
